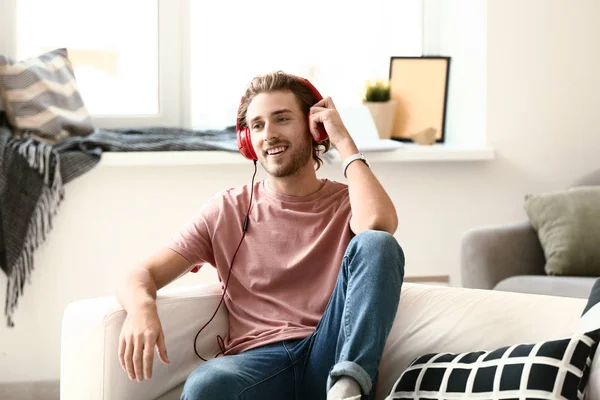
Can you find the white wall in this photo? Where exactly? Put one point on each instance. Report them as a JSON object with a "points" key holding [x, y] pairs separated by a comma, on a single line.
{"points": [[457, 28], [7, 27], [543, 90], [542, 116]]}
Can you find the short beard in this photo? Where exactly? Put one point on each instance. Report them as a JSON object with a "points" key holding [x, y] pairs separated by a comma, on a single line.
{"points": [[298, 159]]}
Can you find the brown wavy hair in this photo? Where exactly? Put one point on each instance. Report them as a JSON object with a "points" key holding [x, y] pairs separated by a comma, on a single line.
{"points": [[280, 81]]}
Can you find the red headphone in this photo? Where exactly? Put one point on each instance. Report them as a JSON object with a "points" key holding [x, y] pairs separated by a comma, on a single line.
{"points": [[243, 134]]}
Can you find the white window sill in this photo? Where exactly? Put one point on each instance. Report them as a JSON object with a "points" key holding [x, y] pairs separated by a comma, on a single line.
{"points": [[408, 153]]}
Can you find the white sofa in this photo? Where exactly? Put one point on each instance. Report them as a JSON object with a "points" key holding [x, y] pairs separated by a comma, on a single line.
{"points": [[430, 319]]}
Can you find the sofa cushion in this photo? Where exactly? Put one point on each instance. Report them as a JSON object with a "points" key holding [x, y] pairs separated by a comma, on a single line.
{"points": [[173, 394], [566, 286], [42, 98], [538, 370], [568, 226], [547, 368], [436, 319]]}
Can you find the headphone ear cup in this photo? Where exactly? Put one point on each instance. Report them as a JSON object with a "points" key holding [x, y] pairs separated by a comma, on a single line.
{"points": [[243, 138], [245, 144]]}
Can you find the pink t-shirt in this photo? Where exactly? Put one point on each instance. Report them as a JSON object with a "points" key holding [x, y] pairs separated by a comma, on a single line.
{"points": [[287, 265]]}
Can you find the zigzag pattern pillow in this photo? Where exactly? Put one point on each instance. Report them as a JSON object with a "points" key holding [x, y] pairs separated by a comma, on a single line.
{"points": [[41, 97]]}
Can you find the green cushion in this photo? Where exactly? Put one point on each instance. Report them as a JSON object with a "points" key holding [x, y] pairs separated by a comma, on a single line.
{"points": [[568, 227]]}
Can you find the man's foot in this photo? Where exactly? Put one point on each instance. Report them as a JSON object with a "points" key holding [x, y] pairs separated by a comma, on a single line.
{"points": [[345, 388]]}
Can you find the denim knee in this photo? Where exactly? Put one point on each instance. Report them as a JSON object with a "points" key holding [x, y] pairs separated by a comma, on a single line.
{"points": [[210, 383], [379, 246]]}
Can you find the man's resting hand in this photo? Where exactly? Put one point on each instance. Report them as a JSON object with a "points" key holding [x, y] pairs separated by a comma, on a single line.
{"points": [[141, 332]]}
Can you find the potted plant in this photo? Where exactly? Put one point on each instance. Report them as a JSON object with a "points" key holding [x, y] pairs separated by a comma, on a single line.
{"points": [[381, 106]]}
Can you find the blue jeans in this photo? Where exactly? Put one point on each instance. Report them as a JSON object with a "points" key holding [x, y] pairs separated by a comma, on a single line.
{"points": [[349, 340]]}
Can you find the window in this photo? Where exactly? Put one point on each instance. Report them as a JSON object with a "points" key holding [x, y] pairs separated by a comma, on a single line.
{"points": [[127, 68], [186, 62], [115, 56], [336, 44]]}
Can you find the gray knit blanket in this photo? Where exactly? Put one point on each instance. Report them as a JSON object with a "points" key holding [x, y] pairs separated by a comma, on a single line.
{"points": [[33, 175]]}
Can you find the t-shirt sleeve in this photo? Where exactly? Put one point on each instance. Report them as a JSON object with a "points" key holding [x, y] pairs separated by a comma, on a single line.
{"points": [[194, 240]]}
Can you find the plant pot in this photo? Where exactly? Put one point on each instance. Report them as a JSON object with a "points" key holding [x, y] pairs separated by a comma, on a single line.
{"points": [[383, 114]]}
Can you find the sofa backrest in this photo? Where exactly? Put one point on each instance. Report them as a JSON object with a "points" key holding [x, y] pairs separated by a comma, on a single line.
{"points": [[590, 179]]}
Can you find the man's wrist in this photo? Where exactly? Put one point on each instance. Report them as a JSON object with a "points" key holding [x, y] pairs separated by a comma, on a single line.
{"points": [[352, 158], [346, 148], [145, 304]]}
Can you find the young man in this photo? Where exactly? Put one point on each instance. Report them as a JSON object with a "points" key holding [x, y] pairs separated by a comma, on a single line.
{"points": [[315, 284]]}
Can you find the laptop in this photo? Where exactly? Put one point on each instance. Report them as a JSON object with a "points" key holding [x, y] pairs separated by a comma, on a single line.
{"points": [[360, 124]]}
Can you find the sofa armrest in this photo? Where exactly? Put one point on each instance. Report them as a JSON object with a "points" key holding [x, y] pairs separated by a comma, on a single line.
{"points": [[90, 367], [491, 254]]}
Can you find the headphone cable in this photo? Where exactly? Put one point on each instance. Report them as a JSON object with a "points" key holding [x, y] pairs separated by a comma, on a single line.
{"points": [[220, 341]]}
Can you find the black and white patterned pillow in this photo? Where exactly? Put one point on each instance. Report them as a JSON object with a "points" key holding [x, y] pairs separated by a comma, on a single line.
{"points": [[546, 370], [556, 369]]}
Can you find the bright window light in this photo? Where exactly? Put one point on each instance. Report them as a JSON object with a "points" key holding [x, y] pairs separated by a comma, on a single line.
{"points": [[337, 44], [113, 45]]}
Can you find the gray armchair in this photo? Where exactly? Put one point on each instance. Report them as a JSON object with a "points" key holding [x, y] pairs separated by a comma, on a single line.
{"points": [[510, 258]]}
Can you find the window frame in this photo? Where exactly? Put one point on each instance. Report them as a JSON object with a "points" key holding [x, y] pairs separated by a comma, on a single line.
{"points": [[173, 75]]}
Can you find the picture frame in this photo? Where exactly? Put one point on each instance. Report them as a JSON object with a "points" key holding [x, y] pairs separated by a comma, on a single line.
{"points": [[419, 86]]}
